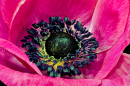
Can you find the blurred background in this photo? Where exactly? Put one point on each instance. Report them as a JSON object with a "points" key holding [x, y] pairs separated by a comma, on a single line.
{"points": [[127, 49]]}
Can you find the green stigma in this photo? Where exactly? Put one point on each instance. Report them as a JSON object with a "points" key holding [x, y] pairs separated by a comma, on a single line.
{"points": [[60, 44], [60, 47]]}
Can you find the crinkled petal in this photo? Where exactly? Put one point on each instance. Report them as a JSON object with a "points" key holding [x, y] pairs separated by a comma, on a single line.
{"points": [[12, 57], [109, 22], [15, 78], [32, 11], [120, 75]]}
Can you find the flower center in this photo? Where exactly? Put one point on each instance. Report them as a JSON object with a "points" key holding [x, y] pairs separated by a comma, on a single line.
{"points": [[60, 47], [60, 44]]}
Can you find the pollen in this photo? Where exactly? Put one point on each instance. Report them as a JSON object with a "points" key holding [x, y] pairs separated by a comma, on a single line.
{"points": [[60, 47]]}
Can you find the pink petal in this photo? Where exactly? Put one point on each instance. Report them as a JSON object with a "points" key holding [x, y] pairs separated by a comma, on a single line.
{"points": [[122, 81], [9, 60], [109, 22], [120, 75], [15, 78], [12, 57], [33, 11], [113, 55], [106, 60], [3, 27], [9, 8], [128, 25]]}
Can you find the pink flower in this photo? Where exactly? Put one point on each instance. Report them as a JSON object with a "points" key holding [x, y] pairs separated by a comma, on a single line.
{"points": [[106, 19]]}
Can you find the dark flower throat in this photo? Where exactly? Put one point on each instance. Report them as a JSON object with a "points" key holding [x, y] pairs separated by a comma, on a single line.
{"points": [[60, 44], [60, 47]]}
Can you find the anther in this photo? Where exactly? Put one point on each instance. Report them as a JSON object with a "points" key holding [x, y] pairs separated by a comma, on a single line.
{"points": [[35, 25], [58, 49]]}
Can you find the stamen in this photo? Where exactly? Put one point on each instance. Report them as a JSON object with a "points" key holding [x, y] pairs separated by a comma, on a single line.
{"points": [[60, 47]]}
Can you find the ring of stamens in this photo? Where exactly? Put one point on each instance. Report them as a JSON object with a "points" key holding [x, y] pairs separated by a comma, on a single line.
{"points": [[35, 44]]}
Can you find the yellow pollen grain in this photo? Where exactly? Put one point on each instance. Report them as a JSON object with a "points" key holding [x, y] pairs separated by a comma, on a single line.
{"points": [[58, 64], [43, 52], [50, 63]]}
